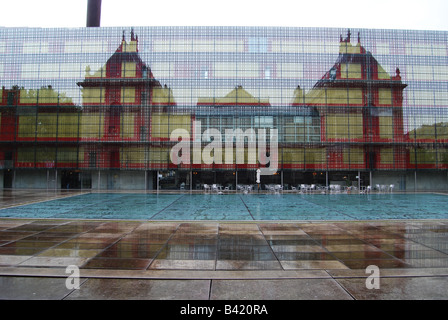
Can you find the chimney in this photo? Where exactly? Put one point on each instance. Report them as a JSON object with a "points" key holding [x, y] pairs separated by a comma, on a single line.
{"points": [[93, 13]]}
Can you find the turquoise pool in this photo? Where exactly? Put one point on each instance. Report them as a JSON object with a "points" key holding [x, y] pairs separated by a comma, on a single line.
{"points": [[247, 207]]}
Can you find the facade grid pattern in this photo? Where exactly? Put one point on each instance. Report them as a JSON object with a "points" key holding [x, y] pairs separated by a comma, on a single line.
{"points": [[97, 107]]}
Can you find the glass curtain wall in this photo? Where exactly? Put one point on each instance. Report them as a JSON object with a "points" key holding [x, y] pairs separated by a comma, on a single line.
{"points": [[106, 107]]}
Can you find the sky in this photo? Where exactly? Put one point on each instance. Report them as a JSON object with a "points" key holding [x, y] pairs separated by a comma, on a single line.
{"points": [[378, 14]]}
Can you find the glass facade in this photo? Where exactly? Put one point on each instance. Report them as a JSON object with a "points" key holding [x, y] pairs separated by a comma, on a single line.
{"points": [[180, 107]]}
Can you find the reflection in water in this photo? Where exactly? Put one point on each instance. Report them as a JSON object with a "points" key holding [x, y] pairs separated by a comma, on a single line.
{"points": [[228, 246]]}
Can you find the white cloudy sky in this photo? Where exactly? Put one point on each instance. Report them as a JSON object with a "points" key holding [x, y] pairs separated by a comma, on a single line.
{"points": [[378, 14]]}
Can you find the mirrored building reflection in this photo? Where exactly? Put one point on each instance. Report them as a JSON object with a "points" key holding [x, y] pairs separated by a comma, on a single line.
{"points": [[104, 108]]}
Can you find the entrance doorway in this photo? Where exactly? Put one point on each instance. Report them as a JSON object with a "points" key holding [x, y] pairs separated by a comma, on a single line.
{"points": [[70, 179], [7, 178]]}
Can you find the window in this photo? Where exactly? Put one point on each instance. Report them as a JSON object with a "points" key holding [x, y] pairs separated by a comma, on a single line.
{"points": [[264, 122], [128, 70], [258, 45], [127, 95], [267, 73]]}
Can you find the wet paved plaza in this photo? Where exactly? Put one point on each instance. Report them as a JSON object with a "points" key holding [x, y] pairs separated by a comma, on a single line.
{"points": [[216, 260]]}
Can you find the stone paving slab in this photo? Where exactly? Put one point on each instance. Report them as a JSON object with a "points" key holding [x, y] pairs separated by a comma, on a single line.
{"points": [[182, 260], [222, 288]]}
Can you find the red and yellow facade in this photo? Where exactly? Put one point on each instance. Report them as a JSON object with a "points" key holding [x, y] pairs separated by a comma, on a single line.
{"points": [[351, 120]]}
